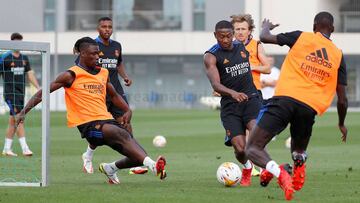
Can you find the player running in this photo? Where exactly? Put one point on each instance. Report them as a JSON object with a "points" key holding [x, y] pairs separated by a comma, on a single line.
{"points": [[228, 69], [312, 72]]}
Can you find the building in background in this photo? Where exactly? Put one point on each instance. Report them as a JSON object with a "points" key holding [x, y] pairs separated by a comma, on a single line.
{"points": [[164, 40]]}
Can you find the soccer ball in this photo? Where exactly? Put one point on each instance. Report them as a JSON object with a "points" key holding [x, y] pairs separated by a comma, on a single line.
{"points": [[159, 141], [229, 174]]}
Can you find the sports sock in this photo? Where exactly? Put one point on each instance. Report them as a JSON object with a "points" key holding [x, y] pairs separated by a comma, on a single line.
{"points": [[248, 164], [112, 166], [23, 144], [8, 143], [89, 152], [148, 162], [273, 168]]}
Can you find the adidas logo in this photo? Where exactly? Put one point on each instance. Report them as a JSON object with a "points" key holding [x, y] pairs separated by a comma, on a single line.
{"points": [[320, 57], [101, 53], [226, 61]]}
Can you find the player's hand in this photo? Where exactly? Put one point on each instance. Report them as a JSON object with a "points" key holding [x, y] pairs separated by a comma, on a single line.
{"points": [[125, 119], [127, 81], [344, 132], [267, 24], [19, 118], [216, 94], [239, 96]]}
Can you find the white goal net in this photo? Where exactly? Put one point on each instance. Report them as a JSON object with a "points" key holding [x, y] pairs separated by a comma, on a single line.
{"points": [[17, 60]]}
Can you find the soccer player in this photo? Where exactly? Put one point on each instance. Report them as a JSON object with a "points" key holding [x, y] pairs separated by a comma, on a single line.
{"points": [[110, 57], [243, 27], [86, 87], [14, 67], [228, 69], [313, 70]]}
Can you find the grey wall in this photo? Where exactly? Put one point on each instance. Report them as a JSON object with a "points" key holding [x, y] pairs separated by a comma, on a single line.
{"points": [[24, 15], [229, 6]]}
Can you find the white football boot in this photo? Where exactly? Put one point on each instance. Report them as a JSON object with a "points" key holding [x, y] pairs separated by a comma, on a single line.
{"points": [[109, 172], [87, 165]]}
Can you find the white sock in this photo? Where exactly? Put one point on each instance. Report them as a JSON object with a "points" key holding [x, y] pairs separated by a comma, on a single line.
{"points": [[148, 162], [89, 152], [8, 143], [248, 164], [112, 166], [23, 144], [273, 168]]}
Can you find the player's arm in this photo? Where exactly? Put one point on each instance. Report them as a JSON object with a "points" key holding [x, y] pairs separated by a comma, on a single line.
{"points": [[265, 35], [213, 75], [122, 73], [265, 67], [268, 82], [119, 102], [342, 102], [32, 79], [65, 79]]}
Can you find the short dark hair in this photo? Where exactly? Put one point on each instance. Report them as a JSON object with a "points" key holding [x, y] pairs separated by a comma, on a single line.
{"points": [[324, 19], [16, 36], [82, 43], [104, 19], [223, 24]]}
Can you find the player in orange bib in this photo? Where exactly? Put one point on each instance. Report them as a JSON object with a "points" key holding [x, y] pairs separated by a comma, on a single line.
{"points": [[313, 71], [243, 27], [86, 85]]}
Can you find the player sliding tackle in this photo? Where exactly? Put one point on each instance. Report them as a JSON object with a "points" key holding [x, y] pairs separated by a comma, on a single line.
{"points": [[85, 87]]}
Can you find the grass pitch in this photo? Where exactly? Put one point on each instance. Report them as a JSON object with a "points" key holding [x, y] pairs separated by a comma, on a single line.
{"points": [[194, 151]]}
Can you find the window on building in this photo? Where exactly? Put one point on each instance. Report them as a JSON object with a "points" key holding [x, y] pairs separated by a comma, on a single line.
{"points": [[127, 14], [350, 16], [83, 14], [49, 15], [199, 14]]}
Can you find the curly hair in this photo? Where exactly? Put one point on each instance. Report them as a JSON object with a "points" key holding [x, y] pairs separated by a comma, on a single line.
{"points": [[243, 18]]}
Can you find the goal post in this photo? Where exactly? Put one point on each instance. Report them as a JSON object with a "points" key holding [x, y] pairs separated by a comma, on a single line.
{"points": [[44, 50]]}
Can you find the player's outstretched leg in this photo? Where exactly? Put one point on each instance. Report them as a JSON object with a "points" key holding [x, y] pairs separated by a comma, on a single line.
{"points": [[120, 140]]}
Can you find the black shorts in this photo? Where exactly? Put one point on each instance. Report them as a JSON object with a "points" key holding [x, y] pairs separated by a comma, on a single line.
{"points": [[235, 117], [112, 108], [280, 111], [92, 131], [16, 104]]}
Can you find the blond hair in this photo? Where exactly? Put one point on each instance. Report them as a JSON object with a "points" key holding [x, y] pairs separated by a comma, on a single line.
{"points": [[243, 18]]}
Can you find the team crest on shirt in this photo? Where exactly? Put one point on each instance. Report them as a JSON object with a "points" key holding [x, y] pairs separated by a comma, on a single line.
{"points": [[12, 64], [117, 53], [242, 54]]}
